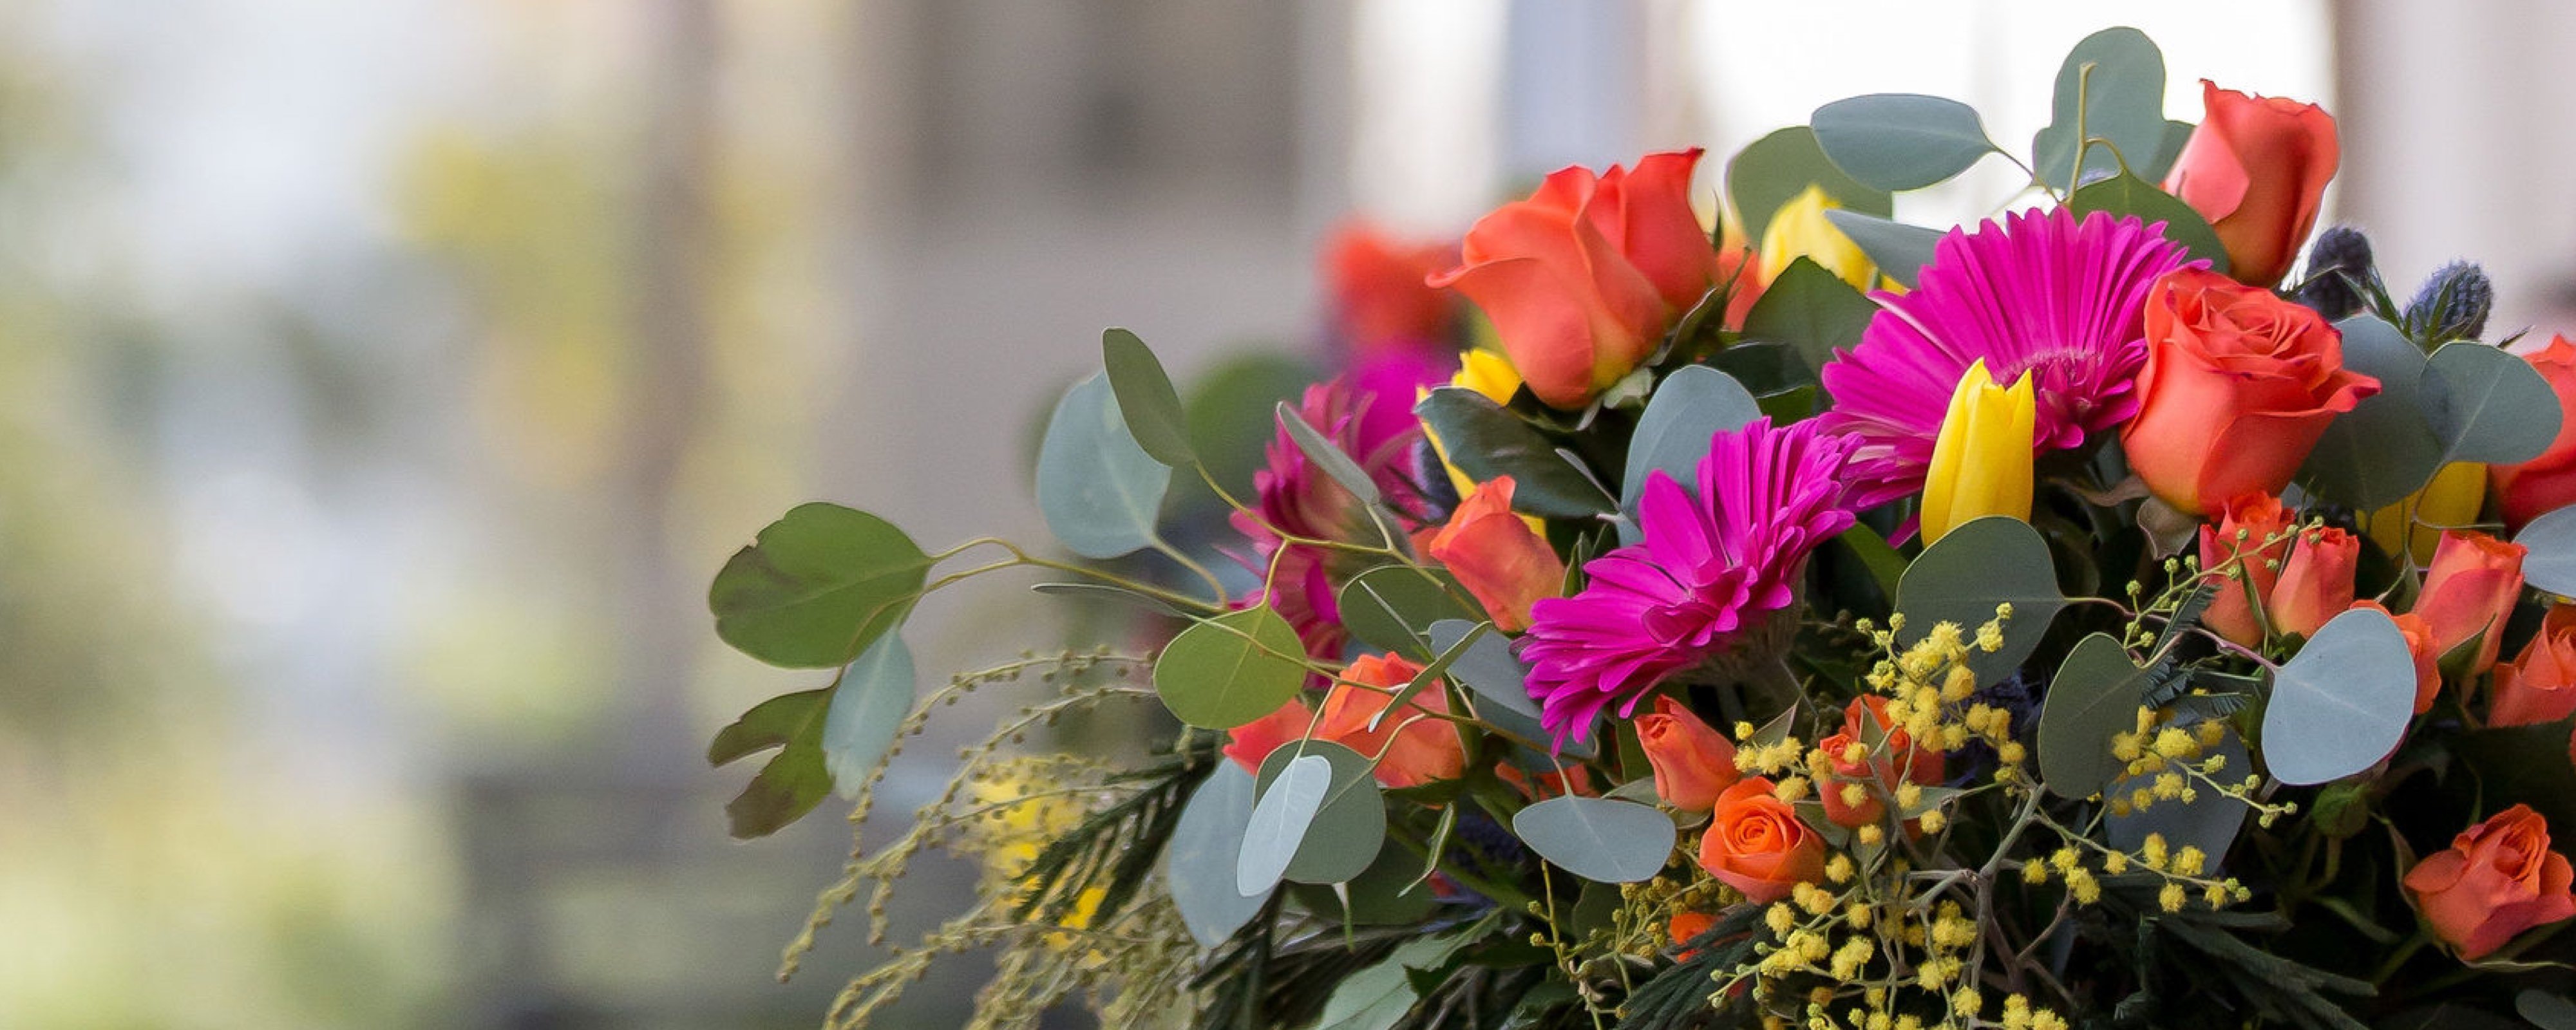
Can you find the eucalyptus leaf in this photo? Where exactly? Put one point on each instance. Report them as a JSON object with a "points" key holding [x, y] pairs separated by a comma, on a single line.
{"points": [[1485, 441], [1285, 810], [1963, 576], [2383, 449], [1206, 849], [2545, 1010], [1900, 250], [868, 708], [1598, 839], [1488, 668], [1099, 490], [1379, 997], [1811, 311], [1390, 607], [2125, 196], [2210, 821], [794, 780], [1231, 669], [817, 587], [1146, 399], [2486, 405], [2550, 559], [1349, 829], [1327, 456], [1776, 168], [1900, 141], [2113, 82], [1694, 404], [2342, 703], [2093, 697], [2177, 134]]}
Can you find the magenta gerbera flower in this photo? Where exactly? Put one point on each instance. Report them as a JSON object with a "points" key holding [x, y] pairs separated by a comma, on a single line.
{"points": [[1297, 498], [1702, 585], [2043, 293]]}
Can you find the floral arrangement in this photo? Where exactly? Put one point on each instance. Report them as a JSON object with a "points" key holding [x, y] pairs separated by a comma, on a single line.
{"points": [[2093, 616]]}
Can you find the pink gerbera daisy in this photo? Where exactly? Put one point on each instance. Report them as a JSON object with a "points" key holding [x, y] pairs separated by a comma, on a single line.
{"points": [[1366, 415], [2043, 293], [1704, 582]]}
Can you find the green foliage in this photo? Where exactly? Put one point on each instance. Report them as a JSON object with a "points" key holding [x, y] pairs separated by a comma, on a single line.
{"points": [[1962, 577], [1488, 668], [1283, 812], [1146, 399], [1115, 849], [1598, 839], [1900, 141], [2279, 988], [2112, 85], [868, 706], [1678, 996], [1900, 250], [817, 587], [1230, 669], [1776, 168], [1485, 441], [1200, 863], [1391, 607], [1694, 404], [2342, 703], [793, 781], [1378, 997], [1811, 311], [2551, 562], [1345, 832], [2094, 696], [1327, 456], [2382, 450], [1100, 492], [2126, 195], [2485, 405]]}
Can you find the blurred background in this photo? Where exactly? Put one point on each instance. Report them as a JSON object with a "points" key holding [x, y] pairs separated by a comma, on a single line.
{"points": [[381, 383]]}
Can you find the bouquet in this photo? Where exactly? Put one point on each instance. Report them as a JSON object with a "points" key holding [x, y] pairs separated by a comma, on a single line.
{"points": [[2093, 616]]}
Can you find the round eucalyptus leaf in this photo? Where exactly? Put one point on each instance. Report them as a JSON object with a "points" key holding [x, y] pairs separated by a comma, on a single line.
{"points": [[2383, 449], [1808, 310], [2210, 821], [2342, 703], [1281, 816], [868, 708], [1693, 405], [1230, 669], [1390, 607], [2093, 697], [1099, 490], [1962, 577], [1349, 828], [1900, 141], [2113, 82], [1206, 848], [817, 587], [2486, 405], [1899, 250], [1146, 399], [1773, 170], [1327, 455], [1488, 669], [2550, 561], [2546, 1011], [1598, 839]]}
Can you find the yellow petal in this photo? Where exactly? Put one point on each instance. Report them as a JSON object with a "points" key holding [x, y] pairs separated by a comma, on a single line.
{"points": [[1800, 229], [1488, 373], [1981, 462], [2451, 500]]}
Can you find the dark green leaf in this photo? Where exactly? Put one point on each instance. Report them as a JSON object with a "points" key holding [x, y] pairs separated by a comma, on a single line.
{"points": [[1810, 310], [1327, 456], [817, 587], [1776, 168], [1100, 492], [1485, 441], [1146, 398], [2342, 703], [1789, 405], [2486, 405], [793, 781], [1900, 250], [1201, 860], [1884, 564], [2093, 697], [1228, 670], [2124, 196], [2376, 454], [1900, 141], [1963, 576], [2122, 100], [1390, 607], [868, 707], [769, 724], [1377, 998], [1347, 832], [1597, 838]]}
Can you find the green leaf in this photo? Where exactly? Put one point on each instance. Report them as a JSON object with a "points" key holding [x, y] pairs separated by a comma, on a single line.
{"points": [[2486, 405], [1776, 168], [1228, 670], [793, 781], [2550, 561], [1960, 579], [868, 708], [1694, 404], [2382, 450], [1349, 828], [1146, 398], [1377, 896], [1280, 818], [1900, 141], [1900, 250], [2342, 703], [1207, 845], [1390, 607], [2521, 764], [2167, 152], [2209, 822], [1485, 441], [1487, 668], [2546, 1011], [1327, 456], [2129, 196], [1885, 565], [1598, 839], [817, 587], [2093, 697], [1810, 310], [2122, 100], [1099, 490], [769, 724], [1229, 446], [1378, 997]]}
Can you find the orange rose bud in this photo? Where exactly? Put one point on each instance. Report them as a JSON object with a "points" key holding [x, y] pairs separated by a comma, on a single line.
{"points": [[2547, 483], [1846, 774], [2315, 583], [2539, 685], [1693, 762], [1253, 741], [2470, 591], [2264, 527], [2237, 387], [2498, 879], [1418, 749], [1922, 765], [1756, 844], [1686, 927], [1377, 289], [2419, 645], [1496, 555], [1582, 278], [2256, 167]]}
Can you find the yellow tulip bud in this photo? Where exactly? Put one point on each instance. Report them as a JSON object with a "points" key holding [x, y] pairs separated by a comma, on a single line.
{"points": [[1800, 229], [1488, 373], [2450, 501], [1981, 462]]}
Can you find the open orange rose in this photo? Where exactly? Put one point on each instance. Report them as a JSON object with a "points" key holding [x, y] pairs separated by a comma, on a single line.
{"points": [[1496, 556], [2419, 646], [1418, 749], [2256, 167], [1693, 762], [2470, 591], [2498, 879], [1249, 744], [1582, 278], [2539, 685], [2547, 483], [2237, 387], [1756, 844], [2316, 582], [2255, 527]]}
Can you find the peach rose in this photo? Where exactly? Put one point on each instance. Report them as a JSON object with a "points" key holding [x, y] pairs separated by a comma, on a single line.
{"points": [[2256, 167], [1377, 289], [2419, 646], [2498, 879], [1582, 278], [2237, 387], [1693, 762], [1416, 752], [2539, 685], [2547, 483], [2470, 591], [2315, 583], [1756, 844], [1251, 743], [2264, 527], [1496, 556]]}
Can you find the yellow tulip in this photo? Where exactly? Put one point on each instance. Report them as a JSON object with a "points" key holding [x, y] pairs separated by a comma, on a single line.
{"points": [[1981, 461], [1799, 229], [1488, 373], [2450, 501]]}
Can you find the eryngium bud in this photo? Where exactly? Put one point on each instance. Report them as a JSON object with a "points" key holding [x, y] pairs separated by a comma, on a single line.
{"points": [[2339, 269], [2452, 305]]}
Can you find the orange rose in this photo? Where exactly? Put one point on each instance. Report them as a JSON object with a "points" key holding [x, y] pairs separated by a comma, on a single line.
{"points": [[1377, 289], [2498, 879], [1922, 765], [2539, 685], [1253, 741], [2469, 591], [1582, 278], [1841, 773], [2237, 387], [2547, 483], [1496, 556], [2263, 526], [2315, 584], [2256, 168], [1416, 752], [1686, 927], [2419, 645], [1693, 762], [1756, 844]]}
